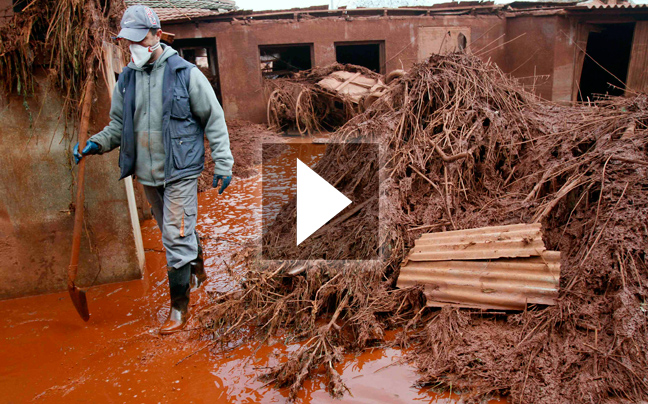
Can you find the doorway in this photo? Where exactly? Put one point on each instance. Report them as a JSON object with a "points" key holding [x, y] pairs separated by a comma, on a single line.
{"points": [[605, 71]]}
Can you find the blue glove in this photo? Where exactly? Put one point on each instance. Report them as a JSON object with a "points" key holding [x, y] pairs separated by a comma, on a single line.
{"points": [[90, 148], [226, 181]]}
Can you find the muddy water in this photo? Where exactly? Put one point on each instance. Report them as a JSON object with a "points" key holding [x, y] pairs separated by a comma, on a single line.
{"points": [[49, 355]]}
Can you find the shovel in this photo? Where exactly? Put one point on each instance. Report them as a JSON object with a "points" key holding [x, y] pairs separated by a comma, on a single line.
{"points": [[77, 295]]}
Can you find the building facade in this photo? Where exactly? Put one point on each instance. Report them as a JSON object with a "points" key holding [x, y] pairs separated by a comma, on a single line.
{"points": [[544, 45]]}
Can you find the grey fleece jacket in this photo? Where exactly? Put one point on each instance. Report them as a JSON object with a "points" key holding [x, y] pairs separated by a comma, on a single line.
{"points": [[149, 166]]}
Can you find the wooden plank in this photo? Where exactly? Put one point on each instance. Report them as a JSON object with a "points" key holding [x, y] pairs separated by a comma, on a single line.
{"points": [[637, 71], [344, 84], [111, 55]]}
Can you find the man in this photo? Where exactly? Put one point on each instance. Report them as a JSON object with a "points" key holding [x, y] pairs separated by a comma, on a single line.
{"points": [[161, 107]]}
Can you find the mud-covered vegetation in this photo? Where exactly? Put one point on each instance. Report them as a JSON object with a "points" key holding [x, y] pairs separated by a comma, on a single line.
{"points": [[465, 146], [297, 101], [62, 36]]}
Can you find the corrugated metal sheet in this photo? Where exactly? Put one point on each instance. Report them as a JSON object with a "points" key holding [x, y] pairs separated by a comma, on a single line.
{"points": [[190, 4], [605, 5], [179, 10], [456, 268], [612, 6], [171, 14], [485, 243], [508, 284]]}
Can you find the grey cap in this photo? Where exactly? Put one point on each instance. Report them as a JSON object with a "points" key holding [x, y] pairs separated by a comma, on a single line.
{"points": [[136, 23]]}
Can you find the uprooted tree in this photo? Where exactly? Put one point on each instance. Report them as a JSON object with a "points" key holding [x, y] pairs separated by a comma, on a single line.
{"points": [[63, 38], [464, 146]]}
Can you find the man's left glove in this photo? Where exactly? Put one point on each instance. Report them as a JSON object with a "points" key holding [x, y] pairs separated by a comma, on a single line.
{"points": [[226, 181], [90, 148]]}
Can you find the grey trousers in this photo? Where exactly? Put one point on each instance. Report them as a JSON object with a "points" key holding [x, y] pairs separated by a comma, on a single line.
{"points": [[175, 209]]}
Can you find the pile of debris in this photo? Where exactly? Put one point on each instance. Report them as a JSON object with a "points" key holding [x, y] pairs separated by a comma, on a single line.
{"points": [[464, 146], [323, 99]]}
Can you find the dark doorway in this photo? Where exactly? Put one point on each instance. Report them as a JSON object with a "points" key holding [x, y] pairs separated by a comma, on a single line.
{"points": [[202, 53], [610, 46], [367, 54], [282, 60]]}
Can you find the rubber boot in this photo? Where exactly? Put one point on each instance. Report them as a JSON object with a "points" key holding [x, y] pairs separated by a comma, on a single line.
{"points": [[179, 291], [198, 275]]}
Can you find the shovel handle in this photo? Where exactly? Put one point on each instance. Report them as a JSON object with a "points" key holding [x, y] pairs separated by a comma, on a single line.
{"points": [[80, 197]]}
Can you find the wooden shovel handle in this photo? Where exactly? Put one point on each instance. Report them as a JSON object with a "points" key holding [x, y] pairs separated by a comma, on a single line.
{"points": [[78, 208]]}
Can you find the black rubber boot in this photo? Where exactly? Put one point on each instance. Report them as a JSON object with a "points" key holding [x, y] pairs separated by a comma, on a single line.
{"points": [[198, 275], [179, 289]]}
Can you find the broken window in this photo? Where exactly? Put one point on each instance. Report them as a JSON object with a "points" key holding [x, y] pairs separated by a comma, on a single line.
{"points": [[281, 60], [606, 69], [367, 54]]}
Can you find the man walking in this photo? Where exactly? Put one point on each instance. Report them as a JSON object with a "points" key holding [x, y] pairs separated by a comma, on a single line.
{"points": [[161, 108]]}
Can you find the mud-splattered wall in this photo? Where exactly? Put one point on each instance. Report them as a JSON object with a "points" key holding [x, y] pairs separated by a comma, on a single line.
{"points": [[541, 46], [238, 44], [36, 192], [6, 11]]}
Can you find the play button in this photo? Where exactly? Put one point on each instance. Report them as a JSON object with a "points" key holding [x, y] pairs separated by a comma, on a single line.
{"points": [[317, 201], [320, 201]]}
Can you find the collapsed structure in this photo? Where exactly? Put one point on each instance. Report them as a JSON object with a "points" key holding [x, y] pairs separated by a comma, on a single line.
{"points": [[465, 146]]}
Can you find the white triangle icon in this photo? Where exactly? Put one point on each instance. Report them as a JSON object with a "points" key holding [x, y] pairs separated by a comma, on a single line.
{"points": [[317, 201]]}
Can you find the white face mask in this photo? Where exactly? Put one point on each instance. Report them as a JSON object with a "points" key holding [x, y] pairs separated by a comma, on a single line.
{"points": [[142, 54]]}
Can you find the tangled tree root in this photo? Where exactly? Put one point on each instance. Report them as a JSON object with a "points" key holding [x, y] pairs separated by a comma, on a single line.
{"points": [[464, 146]]}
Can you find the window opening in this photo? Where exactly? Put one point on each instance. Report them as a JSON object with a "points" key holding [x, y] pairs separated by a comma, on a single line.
{"points": [[282, 60]]}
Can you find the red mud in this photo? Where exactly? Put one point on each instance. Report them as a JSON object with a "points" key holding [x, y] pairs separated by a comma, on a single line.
{"points": [[50, 355]]}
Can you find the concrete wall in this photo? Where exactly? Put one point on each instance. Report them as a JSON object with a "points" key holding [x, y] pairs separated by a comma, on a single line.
{"points": [[36, 190], [532, 53], [565, 58], [6, 11], [238, 47], [543, 55]]}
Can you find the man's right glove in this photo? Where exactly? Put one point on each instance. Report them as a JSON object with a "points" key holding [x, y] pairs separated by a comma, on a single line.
{"points": [[90, 148], [226, 181]]}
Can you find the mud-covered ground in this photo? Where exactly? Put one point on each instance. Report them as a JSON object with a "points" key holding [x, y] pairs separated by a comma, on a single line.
{"points": [[49, 355], [465, 146]]}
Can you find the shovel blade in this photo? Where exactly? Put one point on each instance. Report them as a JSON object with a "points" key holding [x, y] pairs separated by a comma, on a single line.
{"points": [[79, 301]]}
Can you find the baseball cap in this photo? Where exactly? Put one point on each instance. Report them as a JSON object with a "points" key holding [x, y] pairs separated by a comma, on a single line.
{"points": [[136, 23]]}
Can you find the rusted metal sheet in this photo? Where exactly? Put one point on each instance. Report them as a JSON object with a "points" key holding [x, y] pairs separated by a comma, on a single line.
{"points": [[508, 284], [520, 240], [500, 267]]}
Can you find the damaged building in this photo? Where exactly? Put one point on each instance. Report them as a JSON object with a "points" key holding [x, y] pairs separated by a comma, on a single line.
{"points": [[473, 183], [543, 44]]}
